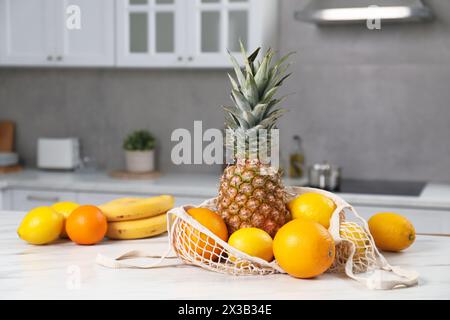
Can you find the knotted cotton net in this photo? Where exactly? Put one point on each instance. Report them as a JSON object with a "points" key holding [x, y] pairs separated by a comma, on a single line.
{"points": [[356, 253]]}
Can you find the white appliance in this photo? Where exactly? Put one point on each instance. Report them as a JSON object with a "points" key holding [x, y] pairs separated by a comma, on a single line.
{"points": [[59, 154]]}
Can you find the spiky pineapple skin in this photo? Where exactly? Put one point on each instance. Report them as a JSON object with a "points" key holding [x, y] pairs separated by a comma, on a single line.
{"points": [[248, 198]]}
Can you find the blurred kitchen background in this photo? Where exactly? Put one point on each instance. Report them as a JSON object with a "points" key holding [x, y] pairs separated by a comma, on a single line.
{"points": [[374, 102]]}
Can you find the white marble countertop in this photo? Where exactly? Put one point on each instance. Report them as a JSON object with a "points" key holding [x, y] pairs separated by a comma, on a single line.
{"points": [[44, 272], [434, 196]]}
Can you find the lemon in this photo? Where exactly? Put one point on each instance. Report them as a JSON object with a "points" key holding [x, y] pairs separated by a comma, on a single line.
{"points": [[65, 209], [41, 225], [313, 206], [254, 242], [391, 231], [355, 233]]}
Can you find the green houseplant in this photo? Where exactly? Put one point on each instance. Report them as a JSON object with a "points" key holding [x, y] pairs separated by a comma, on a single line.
{"points": [[139, 149]]}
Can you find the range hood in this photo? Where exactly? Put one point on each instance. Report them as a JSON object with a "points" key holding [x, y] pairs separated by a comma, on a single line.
{"points": [[357, 11]]}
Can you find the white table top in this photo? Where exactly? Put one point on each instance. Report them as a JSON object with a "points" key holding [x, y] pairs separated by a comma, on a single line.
{"points": [[28, 271], [434, 196]]}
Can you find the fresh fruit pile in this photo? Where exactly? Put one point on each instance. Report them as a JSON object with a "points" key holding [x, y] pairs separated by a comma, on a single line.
{"points": [[251, 198], [303, 247], [126, 218], [252, 215]]}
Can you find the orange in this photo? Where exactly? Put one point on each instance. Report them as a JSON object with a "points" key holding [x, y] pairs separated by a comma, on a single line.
{"points": [[303, 248], [86, 225], [200, 242], [313, 206], [391, 231]]}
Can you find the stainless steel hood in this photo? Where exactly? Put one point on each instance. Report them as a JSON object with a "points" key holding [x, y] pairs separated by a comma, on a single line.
{"points": [[357, 11]]}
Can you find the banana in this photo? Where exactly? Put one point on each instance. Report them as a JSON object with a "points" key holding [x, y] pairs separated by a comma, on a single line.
{"points": [[124, 200], [137, 229], [125, 209]]}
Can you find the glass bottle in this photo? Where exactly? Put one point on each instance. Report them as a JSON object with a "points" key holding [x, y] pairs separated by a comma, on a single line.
{"points": [[296, 158]]}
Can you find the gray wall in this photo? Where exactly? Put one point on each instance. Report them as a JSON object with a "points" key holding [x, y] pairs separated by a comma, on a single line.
{"points": [[375, 102]]}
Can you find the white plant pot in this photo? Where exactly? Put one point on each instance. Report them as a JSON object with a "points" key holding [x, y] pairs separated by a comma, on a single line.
{"points": [[140, 161]]}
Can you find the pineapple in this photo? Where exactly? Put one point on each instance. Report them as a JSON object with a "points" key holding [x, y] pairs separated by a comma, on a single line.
{"points": [[251, 194]]}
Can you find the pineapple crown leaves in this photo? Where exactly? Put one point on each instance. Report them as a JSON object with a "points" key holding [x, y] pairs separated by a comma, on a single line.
{"points": [[253, 91]]}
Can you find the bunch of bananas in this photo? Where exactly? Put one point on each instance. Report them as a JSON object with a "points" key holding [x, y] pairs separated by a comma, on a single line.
{"points": [[137, 218]]}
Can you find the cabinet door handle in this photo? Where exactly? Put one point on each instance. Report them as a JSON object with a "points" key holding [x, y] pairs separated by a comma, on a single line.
{"points": [[191, 59], [42, 198], [180, 58], [59, 58], [49, 58]]}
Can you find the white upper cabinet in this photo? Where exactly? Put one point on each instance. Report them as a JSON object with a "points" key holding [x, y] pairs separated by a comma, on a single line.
{"points": [[26, 35], [133, 33], [191, 33], [151, 33], [36, 33], [93, 43], [216, 26]]}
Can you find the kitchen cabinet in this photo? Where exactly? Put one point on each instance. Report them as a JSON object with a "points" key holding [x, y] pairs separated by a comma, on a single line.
{"points": [[27, 199], [26, 36], [36, 33], [133, 33], [428, 221], [97, 198], [150, 32], [216, 26], [5, 199], [93, 43], [429, 212], [186, 200], [191, 33]]}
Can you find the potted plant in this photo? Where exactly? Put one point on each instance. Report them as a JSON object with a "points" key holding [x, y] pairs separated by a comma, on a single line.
{"points": [[140, 151]]}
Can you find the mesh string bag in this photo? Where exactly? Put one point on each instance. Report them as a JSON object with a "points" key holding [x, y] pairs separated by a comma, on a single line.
{"points": [[196, 245], [356, 253]]}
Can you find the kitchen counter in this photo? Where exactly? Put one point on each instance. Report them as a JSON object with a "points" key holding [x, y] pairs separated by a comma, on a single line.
{"points": [[176, 184], [51, 272], [434, 196]]}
